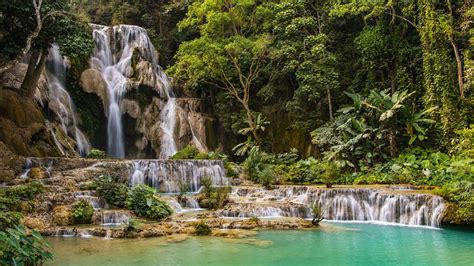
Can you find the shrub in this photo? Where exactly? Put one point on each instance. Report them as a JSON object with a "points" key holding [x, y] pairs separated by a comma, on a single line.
{"points": [[25, 192], [202, 229], [330, 171], [110, 189], [213, 197], [302, 171], [144, 203], [256, 161], [96, 154], [133, 225], [19, 248], [188, 152], [267, 176], [8, 219], [82, 212], [231, 169], [462, 194]]}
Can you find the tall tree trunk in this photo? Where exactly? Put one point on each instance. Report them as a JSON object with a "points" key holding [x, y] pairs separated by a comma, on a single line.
{"points": [[33, 74], [459, 68], [251, 123], [328, 91]]}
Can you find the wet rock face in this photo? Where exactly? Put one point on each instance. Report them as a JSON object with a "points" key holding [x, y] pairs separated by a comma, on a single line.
{"points": [[22, 127]]}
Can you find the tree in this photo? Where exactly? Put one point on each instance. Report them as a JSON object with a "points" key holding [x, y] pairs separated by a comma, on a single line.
{"points": [[28, 29], [301, 50], [437, 31], [228, 55]]}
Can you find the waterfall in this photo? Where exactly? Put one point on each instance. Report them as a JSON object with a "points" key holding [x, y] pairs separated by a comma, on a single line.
{"points": [[114, 217], [112, 57], [60, 101], [173, 176], [338, 204]]}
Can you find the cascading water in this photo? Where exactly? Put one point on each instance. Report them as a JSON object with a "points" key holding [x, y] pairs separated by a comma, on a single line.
{"points": [[338, 204], [168, 118], [112, 57], [60, 101], [172, 176]]}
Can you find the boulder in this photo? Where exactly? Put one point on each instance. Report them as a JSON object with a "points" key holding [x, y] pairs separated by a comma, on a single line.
{"points": [[92, 82], [33, 223], [37, 173], [62, 215], [131, 107]]}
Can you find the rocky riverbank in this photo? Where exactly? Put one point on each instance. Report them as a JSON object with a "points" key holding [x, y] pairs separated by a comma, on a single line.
{"points": [[67, 181]]}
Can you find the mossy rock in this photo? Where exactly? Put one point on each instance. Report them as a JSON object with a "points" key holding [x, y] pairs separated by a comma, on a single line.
{"points": [[33, 223], [37, 173], [62, 216], [21, 111]]}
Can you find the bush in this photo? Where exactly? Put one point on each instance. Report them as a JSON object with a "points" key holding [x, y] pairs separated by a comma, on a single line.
{"points": [[188, 152], [144, 203], [19, 248], [256, 161], [267, 176], [213, 197], [96, 154], [303, 171], [462, 195], [231, 169], [25, 192], [110, 189], [82, 212], [133, 225], [330, 172], [202, 229], [8, 219]]}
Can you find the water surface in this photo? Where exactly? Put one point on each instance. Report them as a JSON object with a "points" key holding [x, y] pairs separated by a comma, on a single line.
{"points": [[356, 244]]}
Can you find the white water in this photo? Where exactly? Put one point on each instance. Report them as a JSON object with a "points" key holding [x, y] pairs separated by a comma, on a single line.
{"points": [[114, 217], [368, 205], [60, 101], [115, 65], [172, 176]]}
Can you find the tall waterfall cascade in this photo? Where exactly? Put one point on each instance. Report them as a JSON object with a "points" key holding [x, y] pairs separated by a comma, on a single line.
{"points": [[126, 59], [60, 101], [371, 205]]}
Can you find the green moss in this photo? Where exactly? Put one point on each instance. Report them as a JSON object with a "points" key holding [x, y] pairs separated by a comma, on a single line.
{"points": [[188, 152]]}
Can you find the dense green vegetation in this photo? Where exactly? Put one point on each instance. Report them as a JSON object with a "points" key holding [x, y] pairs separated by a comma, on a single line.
{"points": [[18, 245], [144, 202], [111, 189], [141, 199], [82, 212], [212, 197], [315, 92]]}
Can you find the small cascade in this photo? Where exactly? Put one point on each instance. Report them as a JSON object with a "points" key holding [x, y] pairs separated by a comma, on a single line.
{"points": [[173, 176], [47, 165], [114, 217], [338, 204], [27, 168], [95, 201], [174, 204], [60, 101], [192, 203], [72, 232]]}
